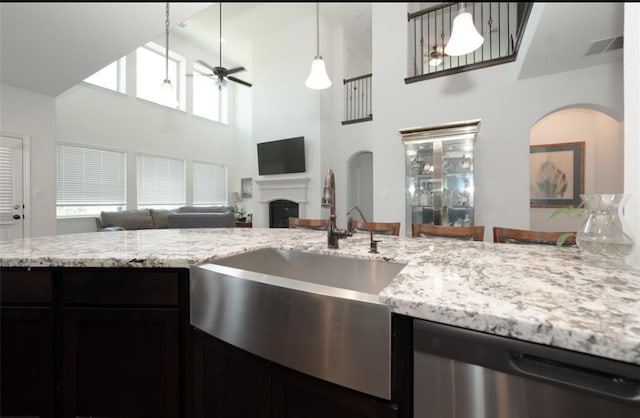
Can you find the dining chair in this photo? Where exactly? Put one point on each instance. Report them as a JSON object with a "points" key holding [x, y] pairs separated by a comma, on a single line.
{"points": [[381, 228], [525, 236], [469, 233], [306, 223]]}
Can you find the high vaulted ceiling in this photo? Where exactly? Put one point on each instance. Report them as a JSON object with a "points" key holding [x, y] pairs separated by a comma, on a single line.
{"points": [[50, 47]]}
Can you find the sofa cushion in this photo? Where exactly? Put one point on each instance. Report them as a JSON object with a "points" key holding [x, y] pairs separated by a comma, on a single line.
{"points": [[160, 218], [201, 220], [128, 219], [205, 209]]}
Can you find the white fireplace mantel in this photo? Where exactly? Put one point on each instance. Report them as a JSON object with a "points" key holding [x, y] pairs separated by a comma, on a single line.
{"points": [[288, 188], [268, 189]]}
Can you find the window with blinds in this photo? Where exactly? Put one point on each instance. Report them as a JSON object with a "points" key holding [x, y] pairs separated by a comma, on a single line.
{"points": [[209, 184], [6, 180], [89, 180], [161, 182]]}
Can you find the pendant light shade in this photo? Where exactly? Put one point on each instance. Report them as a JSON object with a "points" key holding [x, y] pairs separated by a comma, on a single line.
{"points": [[464, 36], [318, 78], [167, 91]]}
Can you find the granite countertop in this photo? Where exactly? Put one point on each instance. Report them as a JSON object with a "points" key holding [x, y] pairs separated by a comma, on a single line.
{"points": [[536, 293]]}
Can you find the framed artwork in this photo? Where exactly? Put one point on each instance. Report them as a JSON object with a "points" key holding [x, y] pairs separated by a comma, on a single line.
{"points": [[246, 187], [556, 174]]}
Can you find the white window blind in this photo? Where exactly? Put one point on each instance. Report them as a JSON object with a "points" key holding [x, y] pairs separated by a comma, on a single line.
{"points": [[209, 184], [6, 180], [161, 181], [89, 176]]}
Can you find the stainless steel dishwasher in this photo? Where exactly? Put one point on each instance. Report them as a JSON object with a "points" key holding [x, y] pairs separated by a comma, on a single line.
{"points": [[460, 373]]}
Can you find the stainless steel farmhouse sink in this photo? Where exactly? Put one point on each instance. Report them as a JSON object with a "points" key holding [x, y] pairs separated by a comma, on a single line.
{"points": [[315, 313]]}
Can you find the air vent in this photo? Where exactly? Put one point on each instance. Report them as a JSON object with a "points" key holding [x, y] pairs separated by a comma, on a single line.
{"points": [[617, 43], [604, 45]]}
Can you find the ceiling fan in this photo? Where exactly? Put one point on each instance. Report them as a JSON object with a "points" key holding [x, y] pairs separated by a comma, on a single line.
{"points": [[221, 72]]}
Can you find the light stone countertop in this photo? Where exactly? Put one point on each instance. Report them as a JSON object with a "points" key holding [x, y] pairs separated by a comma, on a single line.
{"points": [[536, 293]]}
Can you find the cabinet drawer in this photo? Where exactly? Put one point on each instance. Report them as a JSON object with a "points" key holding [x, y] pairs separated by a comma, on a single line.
{"points": [[25, 287], [120, 287]]}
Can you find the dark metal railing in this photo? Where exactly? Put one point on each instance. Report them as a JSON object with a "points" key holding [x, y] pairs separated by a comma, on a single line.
{"points": [[501, 25], [357, 99]]}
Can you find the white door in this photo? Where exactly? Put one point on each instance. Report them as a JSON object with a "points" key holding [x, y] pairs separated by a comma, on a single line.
{"points": [[11, 188]]}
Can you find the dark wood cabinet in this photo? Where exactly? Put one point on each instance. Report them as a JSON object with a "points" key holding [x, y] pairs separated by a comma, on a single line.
{"points": [[27, 351], [120, 363], [107, 342], [26, 362], [230, 382], [118, 343]]}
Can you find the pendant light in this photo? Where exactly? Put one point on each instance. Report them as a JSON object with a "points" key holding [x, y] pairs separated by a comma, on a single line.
{"points": [[318, 78], [167, 92], [464, 35]]}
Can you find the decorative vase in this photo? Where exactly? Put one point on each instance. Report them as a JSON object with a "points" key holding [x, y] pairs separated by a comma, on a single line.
{"points": [[603, 237]]}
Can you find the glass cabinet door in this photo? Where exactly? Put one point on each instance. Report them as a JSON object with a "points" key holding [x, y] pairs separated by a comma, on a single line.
{"points": [[439, 184], [458, 190]]}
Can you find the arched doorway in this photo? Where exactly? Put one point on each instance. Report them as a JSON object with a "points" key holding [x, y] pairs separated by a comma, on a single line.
{"points": [[360, 182], [603, 156]]}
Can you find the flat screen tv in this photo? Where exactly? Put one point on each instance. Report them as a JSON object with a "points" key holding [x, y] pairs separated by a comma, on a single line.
{"points": [[281, 157]]}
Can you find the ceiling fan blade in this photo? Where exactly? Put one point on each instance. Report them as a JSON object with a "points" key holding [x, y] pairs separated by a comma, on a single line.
{"points": [[197, 74], [235, 70], [237, 80], [205, 65]]}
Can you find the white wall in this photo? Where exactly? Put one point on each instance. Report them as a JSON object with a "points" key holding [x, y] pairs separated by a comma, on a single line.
{"points": [[632, 123], [91, 115], [507, 107], [284, 107], [25, 113], [603, 157]]}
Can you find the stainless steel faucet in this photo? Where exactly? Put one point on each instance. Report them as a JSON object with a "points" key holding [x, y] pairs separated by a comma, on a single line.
{"points": [[373, 245], [329, 201]]}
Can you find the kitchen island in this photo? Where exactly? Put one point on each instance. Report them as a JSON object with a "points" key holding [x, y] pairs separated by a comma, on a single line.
{"points": [[539, 294]]}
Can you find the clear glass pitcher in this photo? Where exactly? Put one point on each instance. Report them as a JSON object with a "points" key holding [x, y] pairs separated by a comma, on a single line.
{"points": [[603, 237]]}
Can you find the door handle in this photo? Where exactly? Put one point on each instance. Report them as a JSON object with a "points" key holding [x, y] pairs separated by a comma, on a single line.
{"points": [[17, 216]]}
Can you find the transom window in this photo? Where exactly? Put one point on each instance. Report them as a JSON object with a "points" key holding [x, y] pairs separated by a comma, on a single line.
{"points": [[112, 77], [151, 72], [208, 100]]}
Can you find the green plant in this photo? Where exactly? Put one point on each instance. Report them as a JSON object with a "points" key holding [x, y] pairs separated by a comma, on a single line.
{"points": [[576, 212]]}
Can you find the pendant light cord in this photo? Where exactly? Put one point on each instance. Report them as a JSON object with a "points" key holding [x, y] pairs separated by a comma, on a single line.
{"points": [[317, 29], [166, 31]]}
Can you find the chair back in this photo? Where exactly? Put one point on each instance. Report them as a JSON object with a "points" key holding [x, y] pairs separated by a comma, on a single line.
{"points": [[305, 223], [381, 228], [469, 233], [525, 236]]}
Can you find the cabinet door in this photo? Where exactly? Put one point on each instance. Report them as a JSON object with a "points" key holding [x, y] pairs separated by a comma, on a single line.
{"points": [[26, 362], [229, 382], [298, 395], [121, 363]]}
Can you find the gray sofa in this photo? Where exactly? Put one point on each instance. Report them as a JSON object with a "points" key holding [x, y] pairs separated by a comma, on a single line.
{"points": [[183, 217]]}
